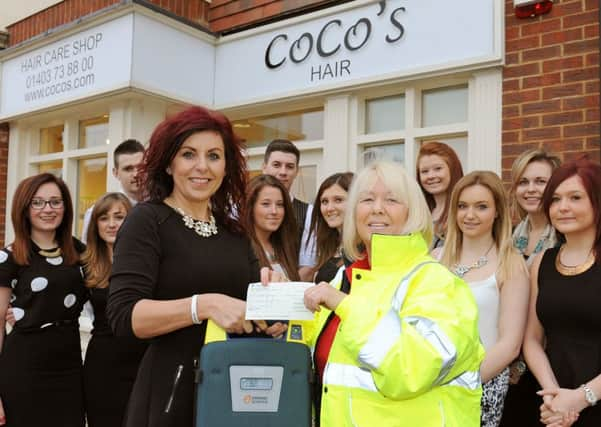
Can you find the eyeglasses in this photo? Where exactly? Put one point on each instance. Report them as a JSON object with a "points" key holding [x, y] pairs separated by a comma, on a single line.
{"points": [[40, 204]]}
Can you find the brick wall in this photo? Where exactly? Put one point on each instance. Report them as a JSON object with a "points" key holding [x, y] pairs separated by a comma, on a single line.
{"points": [[70, 10], [551, 82], [227, 15], [3, 166]]}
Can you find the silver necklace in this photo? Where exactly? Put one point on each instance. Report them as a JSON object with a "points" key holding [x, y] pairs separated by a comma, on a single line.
{"points": [[462, 269], [202, 228]]}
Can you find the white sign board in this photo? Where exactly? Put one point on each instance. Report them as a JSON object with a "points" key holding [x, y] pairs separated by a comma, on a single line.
{"points": [[379, 39], [93, 61], [172, 62]]}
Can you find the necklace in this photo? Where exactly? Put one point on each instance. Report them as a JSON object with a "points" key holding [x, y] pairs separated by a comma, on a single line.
{"points": [[50, 253], [462, 269], [202, 228], [573, 270]]}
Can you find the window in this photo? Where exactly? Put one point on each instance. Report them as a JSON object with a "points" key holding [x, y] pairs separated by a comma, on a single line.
{"points": [[295, 126], [51, 140], [77, 152], [444, 106], [394, 125], [91, 179], [385, 114], [390, 152], [94, 132]]}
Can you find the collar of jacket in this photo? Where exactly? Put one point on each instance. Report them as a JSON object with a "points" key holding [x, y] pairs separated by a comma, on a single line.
{"points": [[397, 252]]}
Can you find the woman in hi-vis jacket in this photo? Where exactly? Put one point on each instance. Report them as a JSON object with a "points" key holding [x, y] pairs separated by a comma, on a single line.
{"points": [[398, 341]]}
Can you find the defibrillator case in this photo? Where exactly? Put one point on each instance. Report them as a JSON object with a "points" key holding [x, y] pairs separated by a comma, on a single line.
{"points": [[253, 382]]}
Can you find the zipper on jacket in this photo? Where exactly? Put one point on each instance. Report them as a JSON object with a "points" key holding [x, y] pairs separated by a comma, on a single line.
{"points": [[177, 377]]}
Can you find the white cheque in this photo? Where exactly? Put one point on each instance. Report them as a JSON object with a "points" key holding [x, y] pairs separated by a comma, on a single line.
{"points": [[277, 301]]}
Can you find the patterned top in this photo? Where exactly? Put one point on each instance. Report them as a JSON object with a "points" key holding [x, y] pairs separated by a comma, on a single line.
{"points": [[45, 291]]}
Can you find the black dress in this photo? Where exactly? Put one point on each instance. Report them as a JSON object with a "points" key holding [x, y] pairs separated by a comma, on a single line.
{"points": [[568, 309], [109, 369], [40, 364], [156, 256], [328, 271]]}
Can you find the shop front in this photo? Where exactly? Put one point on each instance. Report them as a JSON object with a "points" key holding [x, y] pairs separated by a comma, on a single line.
{"points": [[347, 84]]}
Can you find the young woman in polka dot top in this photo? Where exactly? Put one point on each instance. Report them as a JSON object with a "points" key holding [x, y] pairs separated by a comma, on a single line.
{"points": [[41, 276]]}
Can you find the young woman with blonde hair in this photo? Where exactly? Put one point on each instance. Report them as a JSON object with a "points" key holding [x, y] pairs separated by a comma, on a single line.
{"points": [[479, 249]]}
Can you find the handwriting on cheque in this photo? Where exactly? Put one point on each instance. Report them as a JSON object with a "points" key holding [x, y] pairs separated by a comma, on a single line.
{"points": [[277, 301]]}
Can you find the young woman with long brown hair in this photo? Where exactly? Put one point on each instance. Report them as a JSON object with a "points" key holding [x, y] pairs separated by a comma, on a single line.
{"points": [[40, 360], [111, 362], [326, 224], [271, 225]]}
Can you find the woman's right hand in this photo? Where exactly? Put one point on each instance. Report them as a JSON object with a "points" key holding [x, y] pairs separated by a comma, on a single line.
{"points": [[229, 314], [2, 414]]}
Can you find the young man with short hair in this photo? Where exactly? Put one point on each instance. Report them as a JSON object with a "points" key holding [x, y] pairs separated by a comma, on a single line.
{"points": [[282, 162], [127, 159]]}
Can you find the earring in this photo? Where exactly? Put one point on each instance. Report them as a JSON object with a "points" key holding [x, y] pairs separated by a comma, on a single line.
{"points": [[168, 170]]}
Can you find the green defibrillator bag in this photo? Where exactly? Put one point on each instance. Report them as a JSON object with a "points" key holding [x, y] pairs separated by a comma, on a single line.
{"points": [[256, 382]]}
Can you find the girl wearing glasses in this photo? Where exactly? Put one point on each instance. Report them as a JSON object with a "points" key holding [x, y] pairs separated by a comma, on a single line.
{"points": [[40, 275]]}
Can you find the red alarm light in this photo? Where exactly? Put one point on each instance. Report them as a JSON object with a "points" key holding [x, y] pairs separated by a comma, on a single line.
{"points": [[533, 10]]}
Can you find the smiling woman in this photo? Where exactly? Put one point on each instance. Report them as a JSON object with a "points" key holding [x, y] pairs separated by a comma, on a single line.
{"points": [[182, 258], [562, 344], [394, 313], [40, 274], [270, 222], [437, 170], [326, 224]]}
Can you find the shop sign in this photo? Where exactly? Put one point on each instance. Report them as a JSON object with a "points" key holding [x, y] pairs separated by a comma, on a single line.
{"points": [[372, 41], [93, 61]]}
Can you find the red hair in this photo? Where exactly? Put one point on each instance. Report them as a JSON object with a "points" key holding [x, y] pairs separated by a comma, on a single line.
{"points": [[166, 140], [590, 175], [21, 246], [449, 156]]}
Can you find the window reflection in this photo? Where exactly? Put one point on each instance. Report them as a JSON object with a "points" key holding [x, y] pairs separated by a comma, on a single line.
{"points": [[296, 126]]}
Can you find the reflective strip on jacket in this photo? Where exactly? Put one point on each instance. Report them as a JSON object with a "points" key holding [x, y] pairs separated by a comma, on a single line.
{"points": [[407, 352]]}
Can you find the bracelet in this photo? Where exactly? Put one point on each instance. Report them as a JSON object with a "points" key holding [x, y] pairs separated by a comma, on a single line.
{"points": [[589, 395], [193, 312]]}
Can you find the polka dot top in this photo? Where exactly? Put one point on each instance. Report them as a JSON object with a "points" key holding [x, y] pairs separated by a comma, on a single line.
{"points": [[44, 292]]}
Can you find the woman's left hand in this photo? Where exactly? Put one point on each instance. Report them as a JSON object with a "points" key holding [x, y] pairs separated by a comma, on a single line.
{"points": [[323, 294]]}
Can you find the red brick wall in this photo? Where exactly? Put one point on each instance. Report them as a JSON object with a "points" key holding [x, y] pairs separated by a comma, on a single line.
{"points": [[226, 15], [551, 82], [69, 10], [3, 166]]}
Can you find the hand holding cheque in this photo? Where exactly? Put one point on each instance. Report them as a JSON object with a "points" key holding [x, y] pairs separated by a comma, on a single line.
{"points": [[289, 300]]}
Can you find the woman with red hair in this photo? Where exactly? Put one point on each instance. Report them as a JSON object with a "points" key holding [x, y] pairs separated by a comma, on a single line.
{"points": [[437, 171], [562, 345], [182, 258], [40, 273]]}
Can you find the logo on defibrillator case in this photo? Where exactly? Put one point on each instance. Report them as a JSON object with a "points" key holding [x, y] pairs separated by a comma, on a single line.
{"points": [[296, 332]]}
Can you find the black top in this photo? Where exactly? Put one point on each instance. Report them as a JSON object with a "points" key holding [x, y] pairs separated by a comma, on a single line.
{"points": [[45, 291], [328, 271], [98, 299], [568, 309], [157, 257]]}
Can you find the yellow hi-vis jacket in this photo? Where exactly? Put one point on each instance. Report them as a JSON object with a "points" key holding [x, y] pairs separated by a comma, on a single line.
{"points": [[407, 351]]}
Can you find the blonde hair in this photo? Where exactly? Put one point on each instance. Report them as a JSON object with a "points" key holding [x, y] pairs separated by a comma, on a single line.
{"points": [[501, 230], [395, 178], [519, 167]]}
